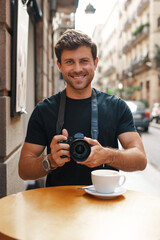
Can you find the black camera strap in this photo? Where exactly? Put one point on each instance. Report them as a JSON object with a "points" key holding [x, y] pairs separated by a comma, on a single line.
{"points": [[94, 114]]}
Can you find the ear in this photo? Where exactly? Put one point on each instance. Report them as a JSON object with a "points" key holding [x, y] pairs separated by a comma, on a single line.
{"points": [[96, 62], [59, 66]]}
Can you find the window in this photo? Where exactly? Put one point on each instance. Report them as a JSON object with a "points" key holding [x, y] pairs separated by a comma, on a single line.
{"points": [[147, 84]]}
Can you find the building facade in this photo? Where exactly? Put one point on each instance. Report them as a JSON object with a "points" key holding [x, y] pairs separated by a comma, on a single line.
{"points": [[129, 59], [26, 74], [62, 22]]}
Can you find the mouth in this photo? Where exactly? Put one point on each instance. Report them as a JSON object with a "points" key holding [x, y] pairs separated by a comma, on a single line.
{"points": [[80, 77]]}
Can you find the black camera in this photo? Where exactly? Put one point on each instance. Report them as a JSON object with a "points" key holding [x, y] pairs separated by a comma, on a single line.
{"points": [[79, 148]]}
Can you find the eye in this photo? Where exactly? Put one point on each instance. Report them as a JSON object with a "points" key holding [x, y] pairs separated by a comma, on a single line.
{"points": [[84, 61], [69, 61]]}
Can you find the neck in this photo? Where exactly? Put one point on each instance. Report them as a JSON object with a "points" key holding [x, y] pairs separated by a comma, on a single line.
{"points": [[79, 94]]}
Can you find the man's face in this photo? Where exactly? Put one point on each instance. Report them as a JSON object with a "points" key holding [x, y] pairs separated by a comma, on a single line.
{"points": [[78, 67]]}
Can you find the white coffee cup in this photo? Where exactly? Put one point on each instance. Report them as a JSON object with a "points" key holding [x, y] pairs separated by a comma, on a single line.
{"points": [[106, 181]]}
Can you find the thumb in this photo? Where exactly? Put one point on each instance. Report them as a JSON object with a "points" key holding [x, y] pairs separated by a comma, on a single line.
{"points": [[91, 141], [65, 132]]}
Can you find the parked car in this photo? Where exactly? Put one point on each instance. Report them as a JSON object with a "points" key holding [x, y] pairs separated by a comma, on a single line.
{"points": [[155, 113], [141, 115]]}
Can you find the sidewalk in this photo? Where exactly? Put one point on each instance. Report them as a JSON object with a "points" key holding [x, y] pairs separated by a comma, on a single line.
{"points": [[147, 181], [155, 125]]}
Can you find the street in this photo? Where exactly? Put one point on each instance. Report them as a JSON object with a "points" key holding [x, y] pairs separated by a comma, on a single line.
{"points": [[151, 141], [147, 181]]}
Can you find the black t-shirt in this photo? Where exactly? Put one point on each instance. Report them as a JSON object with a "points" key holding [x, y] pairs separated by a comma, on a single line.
{"points": [[114, 118]]}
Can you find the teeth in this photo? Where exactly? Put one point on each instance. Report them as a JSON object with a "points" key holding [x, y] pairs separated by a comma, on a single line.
{"points": [[79, 77]]}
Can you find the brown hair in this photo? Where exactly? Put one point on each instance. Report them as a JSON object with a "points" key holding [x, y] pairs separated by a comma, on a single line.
{"points": [[72, 39]]}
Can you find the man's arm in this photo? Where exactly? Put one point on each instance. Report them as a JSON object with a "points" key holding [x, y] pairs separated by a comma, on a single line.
{"points": [[132, 158], [30, 162]]}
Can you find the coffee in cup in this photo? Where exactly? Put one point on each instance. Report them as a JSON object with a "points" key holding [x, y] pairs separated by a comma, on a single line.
{"points": [[106, 181]]}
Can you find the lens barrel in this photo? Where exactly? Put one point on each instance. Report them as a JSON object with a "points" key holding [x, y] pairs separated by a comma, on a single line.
{"points": [[79, 150]]}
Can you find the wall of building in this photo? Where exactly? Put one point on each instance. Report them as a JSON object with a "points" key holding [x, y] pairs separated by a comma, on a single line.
{"points": [[40, 81], [61, 23], [10, 146], [128, 55]]}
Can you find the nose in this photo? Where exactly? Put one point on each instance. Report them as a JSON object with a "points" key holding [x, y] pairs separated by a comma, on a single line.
{"points": [[77, 67]]}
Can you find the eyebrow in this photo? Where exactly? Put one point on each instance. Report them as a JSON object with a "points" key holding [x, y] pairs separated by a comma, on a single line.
{"points": [[68, 59]]}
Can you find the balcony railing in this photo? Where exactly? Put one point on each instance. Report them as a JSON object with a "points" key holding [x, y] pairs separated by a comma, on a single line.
{"points": [[109, 71], [127, 47], [124, 74], [127, 3], [127, 25], [139, 65], [142, 6], [136, 39], [140, 36]]}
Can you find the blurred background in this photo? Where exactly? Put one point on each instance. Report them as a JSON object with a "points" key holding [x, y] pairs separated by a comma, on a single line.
{"points": [[127, 34]]}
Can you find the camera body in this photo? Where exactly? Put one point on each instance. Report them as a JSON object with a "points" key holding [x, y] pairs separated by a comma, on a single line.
{"points": [[79, 148]]}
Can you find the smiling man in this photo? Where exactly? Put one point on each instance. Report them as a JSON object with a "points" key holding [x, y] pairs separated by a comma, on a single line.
{"points": [[77, 61], [78, 67]]}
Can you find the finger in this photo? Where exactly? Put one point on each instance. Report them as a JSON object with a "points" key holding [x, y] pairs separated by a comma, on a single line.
{"points": [[57, 138], [91, 141], [62, 153], [64, 146], [65, 132], [56, 154], [86, 163], [59, 161], [62, 161]]}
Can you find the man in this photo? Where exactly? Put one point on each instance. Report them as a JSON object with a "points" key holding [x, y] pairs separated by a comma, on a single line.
{"points": [[77, 61]]}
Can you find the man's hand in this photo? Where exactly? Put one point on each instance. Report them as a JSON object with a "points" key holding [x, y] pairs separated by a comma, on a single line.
{"points": [[97, 156], [58, 150]]}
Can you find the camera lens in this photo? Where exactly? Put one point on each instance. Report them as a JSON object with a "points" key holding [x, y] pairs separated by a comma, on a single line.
{"points": [[80, 150]]}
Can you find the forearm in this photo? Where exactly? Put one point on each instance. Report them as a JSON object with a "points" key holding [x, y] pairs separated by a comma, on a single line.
{"points": [[30, 167], [131, 159]]}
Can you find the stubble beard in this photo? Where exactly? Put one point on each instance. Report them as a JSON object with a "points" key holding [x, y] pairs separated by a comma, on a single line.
{"points": [[82, 85]]}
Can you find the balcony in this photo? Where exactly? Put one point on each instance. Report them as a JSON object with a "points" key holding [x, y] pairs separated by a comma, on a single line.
{"points": [[138, 36], [141, 64], [127, 25], [127, 73], [66, 6], [141, 35], [127, 4], [142, 6], [127, 47], [109, 71]]}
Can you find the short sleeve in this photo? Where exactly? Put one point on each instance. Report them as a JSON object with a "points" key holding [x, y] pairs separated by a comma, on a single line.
{"points": [[125, 120], [35, 131]]}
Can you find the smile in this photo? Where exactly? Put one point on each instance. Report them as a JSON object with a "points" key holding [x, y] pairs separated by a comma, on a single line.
{"points": [[78, 77]]}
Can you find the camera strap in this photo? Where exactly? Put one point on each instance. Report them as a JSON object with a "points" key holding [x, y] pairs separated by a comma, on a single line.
{"points": [[94, 114]]}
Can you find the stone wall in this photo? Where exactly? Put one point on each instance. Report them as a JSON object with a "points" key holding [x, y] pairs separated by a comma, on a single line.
{"points": [[40, 77], [11, 135]]}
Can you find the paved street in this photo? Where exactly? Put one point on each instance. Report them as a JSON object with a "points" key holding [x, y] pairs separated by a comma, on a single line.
{"points": [[151, 141], [148, 181]]}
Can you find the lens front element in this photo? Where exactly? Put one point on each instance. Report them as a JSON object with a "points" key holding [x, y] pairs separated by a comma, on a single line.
{"points": [[80, 150]]}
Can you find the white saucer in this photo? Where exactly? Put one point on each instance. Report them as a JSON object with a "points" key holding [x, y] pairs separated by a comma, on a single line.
{"points": [[118, 192]]}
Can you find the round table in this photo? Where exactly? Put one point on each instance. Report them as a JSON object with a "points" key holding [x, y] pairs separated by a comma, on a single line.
{"points": [[68, 213]]}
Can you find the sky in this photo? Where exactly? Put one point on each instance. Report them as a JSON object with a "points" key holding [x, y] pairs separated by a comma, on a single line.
{"points": [[87, 22]]}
